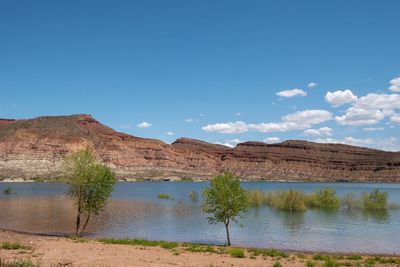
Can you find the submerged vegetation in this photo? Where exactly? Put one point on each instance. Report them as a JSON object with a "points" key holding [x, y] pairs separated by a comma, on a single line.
{"points": [[292, 200], [8, 190], [165, 196]]}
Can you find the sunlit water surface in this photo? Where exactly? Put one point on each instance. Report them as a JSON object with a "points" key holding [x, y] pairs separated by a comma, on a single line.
{"points": [[135, 212]]}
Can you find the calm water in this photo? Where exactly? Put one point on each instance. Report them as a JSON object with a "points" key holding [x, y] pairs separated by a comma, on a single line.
{"points": [[136, 212]]}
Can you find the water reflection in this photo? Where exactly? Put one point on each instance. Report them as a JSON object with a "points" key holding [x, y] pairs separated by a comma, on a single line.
{"points": [[136, 212]]}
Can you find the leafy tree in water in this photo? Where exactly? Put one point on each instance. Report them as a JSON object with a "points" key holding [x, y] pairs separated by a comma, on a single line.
{"points": [[90, 185], [224, 200]]}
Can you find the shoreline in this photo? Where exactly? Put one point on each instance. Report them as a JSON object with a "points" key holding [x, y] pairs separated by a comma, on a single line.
{"points": [[45, 250], [310, 252]]}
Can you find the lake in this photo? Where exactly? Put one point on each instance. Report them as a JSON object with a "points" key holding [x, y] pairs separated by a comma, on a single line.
{"points": [[136, 212]]}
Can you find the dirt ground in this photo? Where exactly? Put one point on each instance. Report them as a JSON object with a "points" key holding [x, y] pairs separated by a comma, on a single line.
{"points": [[63, 251]]}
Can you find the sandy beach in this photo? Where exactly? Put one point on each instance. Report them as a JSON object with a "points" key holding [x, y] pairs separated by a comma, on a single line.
{"points": [[64, 251]]}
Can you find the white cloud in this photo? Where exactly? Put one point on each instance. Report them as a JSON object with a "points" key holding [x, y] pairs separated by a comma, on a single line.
{"points": [[296, 121], [370, 109], [272, 140], [308, 117], [358, 116], [170, 133], [189, 120], [324, 131], [291, 93], [238, 114], [311, 85], [338, 98], [225, 144], [395, 118], [395, 85], [144, 124], [373, 129], [227, 128]]}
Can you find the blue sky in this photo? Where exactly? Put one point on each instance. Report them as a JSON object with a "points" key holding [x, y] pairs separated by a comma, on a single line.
{"points": [[220, 71]]}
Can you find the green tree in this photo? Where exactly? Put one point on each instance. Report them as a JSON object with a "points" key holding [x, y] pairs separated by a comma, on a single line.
{"points": [[90, 185], [290, 200], [224, 200]]}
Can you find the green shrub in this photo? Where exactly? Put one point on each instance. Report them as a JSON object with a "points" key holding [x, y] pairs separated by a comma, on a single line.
{"points": [[277, 264], [8, 191], [290, 200], [350, 201], [194, 196], [237, 253], [310, 264], [164, 196], [354, 257], [375, 200], [255, 198], [319, 257], [323, 198], [331, 263]]}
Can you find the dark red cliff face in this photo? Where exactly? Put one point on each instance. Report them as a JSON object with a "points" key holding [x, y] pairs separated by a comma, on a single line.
{"points": [[35, 148]]}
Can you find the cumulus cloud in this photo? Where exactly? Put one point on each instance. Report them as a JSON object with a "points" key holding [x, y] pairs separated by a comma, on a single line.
{"points": [[291, 93], [395, 85], [272, 140], [358, 116], [370, 109], [227, 127], [338, 98], [311, 85], [144, 124], [170, 133], [395, 118], [225, 144], [296, 121], [324, 131]]}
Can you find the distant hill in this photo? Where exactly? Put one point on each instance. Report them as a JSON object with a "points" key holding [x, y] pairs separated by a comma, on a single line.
{"points": [[34, 148]]}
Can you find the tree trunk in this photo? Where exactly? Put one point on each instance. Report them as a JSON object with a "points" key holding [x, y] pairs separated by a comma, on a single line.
{"points": [[86, 223], [227, 233], [78, 221]]}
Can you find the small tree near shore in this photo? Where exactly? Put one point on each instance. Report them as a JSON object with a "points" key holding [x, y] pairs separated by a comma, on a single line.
{"points": [[90, 185], [224, 200]]}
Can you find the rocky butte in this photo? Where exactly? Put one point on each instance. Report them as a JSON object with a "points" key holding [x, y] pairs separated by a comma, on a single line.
{"points": [[34, 148]]}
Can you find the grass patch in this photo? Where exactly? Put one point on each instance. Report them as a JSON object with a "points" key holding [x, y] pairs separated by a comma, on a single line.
{"points": [[141, 242], [330, 263], [237, 253], [78, 239], [165, 196], [354, 257], [18, 263], [319, 257], [310, 264], [200, 248], [13, 246], [277, 264], [268, 252]]}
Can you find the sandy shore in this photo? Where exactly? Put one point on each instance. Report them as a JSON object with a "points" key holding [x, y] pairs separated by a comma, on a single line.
{"points": [[63, 251]]}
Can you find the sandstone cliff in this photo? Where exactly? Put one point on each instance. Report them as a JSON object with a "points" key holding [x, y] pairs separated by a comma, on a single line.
{"points": [[35, 148]]}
